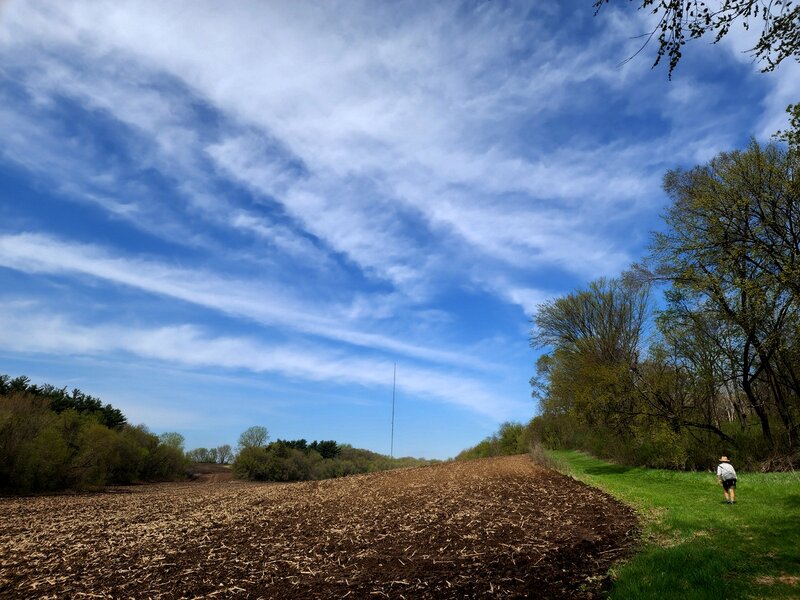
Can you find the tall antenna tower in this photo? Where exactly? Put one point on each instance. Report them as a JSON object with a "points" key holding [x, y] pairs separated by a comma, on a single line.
{"points": [[394, 385]]}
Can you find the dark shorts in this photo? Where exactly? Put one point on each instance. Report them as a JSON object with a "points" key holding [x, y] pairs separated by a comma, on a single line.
{"points": [[728, 484]]}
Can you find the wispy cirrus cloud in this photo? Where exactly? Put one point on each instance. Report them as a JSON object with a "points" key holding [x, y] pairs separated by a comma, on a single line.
{"points": [[187, 345], [401, 142], [261, 302]]}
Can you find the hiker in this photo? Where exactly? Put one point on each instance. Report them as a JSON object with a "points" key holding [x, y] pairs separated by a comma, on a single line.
{"points": [[726, 475]]}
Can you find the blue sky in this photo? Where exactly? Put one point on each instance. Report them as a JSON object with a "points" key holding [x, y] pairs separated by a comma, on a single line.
{"points": [[217, 215]]}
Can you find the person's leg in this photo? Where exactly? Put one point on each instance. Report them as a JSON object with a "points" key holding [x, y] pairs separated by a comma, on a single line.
{"points": [[732, 493], [725, 493]]}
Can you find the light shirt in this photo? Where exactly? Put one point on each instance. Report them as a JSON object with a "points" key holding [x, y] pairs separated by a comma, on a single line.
{"points": [[726, 471]]}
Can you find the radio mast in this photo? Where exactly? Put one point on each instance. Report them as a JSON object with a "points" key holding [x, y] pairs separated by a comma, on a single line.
{"points": [[394, 385]]}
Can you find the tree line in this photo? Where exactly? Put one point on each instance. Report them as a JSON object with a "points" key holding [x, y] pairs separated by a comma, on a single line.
{"points": [[298, 460], [511, 438], [52, 439], [222, 455], [714, 367]]}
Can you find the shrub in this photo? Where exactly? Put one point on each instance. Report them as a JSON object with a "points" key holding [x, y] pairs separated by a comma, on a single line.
{"points": [[511, 438]]}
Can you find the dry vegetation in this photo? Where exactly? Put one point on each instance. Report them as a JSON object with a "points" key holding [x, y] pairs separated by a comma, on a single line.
{"points": [[499, 527]]}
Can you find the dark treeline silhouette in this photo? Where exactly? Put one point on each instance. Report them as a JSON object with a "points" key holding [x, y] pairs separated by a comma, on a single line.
{"points": [[325, 448], [54, 440], [60, 400]]}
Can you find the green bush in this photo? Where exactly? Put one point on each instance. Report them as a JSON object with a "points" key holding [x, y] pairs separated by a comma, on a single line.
{"points": [[276, 462], [511, 438], [99, 453], [252, 463], [44, 461], [661, 448]]}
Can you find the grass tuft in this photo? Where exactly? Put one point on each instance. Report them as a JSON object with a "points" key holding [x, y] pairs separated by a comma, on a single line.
{"points": [[544, 458]]}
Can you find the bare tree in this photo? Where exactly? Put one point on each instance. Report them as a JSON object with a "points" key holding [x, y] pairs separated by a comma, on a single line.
{"points": [[224, 454]]}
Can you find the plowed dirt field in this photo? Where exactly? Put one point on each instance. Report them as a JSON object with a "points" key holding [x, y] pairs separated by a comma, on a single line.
{"points": [[500, 527]]}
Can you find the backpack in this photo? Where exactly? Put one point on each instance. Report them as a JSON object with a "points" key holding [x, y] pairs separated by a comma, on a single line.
{"points": [[727, 474]]}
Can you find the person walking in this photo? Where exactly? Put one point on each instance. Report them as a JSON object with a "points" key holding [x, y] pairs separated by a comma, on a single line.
{"points": [[726, 475]]}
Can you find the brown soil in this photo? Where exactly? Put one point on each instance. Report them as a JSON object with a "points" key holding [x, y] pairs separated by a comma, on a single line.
{"points": [[499, 527], [210, 473]]}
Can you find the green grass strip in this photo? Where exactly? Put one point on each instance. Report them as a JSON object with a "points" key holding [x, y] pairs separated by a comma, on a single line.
{"points": [[694, 545]]}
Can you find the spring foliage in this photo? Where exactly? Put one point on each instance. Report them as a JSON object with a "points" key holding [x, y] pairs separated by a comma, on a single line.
{"points": [[53, 440], [716, 369], [682, 20], [511, 438]]}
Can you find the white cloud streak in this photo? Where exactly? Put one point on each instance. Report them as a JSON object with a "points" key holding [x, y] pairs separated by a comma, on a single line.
{"points": [[409, 101], [265, 304], [24, 329]]}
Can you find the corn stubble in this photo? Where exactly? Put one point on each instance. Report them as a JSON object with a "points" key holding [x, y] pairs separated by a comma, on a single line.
{"points": [[500, 527]]}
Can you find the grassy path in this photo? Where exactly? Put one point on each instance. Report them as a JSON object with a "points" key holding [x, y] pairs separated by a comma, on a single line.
{"points": [[695, 546]]}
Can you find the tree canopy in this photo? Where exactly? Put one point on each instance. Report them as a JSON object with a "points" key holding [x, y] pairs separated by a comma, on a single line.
{"points": [[721, 366], [679, 20], [59, 400], [732, 255], [53, 440], [253, 437]]}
